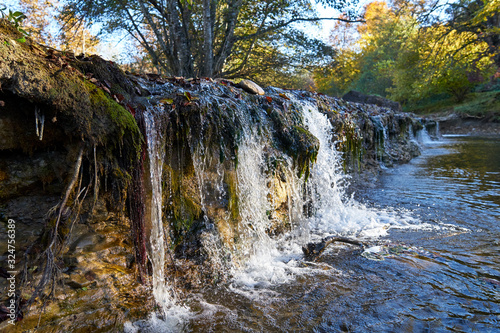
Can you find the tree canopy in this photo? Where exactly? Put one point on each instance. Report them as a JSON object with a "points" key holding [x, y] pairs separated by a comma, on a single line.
{"points": [[45, 24], [219, 38], [410, 50]]}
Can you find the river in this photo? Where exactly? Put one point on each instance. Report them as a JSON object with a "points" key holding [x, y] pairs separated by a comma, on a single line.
{"points": [[442, 275]]}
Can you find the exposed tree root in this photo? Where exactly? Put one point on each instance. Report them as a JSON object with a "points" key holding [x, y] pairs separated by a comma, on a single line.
{"points": [[315, 249], [51, 272]]}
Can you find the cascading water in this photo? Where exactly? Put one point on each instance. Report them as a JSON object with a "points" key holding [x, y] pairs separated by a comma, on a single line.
{"points": [[271, 260], [163, 293], [259, 259], [333, 211], [423, 136], [381, 137], [171, 316], [314, 209]]}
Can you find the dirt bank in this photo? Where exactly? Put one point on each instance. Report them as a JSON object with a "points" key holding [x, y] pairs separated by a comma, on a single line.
{"points": [[454, 124]]}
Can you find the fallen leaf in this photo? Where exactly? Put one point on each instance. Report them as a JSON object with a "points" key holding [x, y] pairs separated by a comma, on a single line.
{"points": [[284, 96], [269, 99], [120, 97], [167, 101]]}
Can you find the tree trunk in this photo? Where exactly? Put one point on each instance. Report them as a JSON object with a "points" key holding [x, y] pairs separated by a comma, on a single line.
{"points": [[208, 58]]}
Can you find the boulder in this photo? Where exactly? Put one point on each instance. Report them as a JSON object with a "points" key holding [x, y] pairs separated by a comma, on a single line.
{"points": [[357, 97], [250, 87]]}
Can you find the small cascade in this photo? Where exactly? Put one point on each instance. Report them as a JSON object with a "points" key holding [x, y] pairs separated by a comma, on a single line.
{"points": [[423, 136], [438, 133], [334, 212], [411, 135], [172, 316], [163, 293], [253, 194], [381, 137], [258, 261]]}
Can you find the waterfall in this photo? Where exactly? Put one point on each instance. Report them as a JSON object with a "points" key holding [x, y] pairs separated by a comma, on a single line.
{"points": [[411, 135], [380, 140], [259, 261], [270, 260], [262, 176], [162, 291], [333, 211], [423, 136]]}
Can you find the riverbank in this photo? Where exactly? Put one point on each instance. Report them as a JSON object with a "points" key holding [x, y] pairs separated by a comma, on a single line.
{"points": [[456, 124], [478, 114]]}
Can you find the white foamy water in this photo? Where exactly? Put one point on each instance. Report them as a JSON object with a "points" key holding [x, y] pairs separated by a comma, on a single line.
{"points": [[170, 316], [163, 293], [334, 212], [270, 261], [424, 137], [260, 262]]}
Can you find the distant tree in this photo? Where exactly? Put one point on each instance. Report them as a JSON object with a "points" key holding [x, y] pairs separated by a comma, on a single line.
{"points": [[407, 52], [39, 16], [336, 77], [226, 38], [44, 24], [480, 17], [365, 63], [434, 62]]}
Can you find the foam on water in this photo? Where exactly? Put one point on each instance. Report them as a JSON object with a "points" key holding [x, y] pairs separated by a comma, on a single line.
{"points": [[174, 320], [334, 212], [270, 261]]}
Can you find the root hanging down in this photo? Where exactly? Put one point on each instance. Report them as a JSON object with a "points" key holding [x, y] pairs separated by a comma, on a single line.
{"points": [[51, 271], [39, 123], [69, 190]]}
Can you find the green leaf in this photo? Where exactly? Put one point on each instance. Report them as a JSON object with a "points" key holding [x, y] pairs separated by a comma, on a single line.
{"points": [[84, 288], [21, 40], [16, 14], [24, 32]]}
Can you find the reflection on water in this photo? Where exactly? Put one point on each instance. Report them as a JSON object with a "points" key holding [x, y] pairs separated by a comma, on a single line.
{"points": [[444, 279]]}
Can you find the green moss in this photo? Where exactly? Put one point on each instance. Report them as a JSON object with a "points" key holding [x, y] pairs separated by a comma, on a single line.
{"points": [[304, 150], [295, 141], [180, 206], [232, 190]]}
